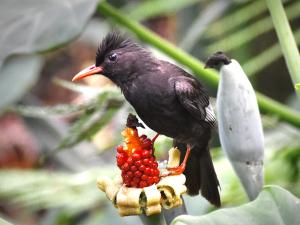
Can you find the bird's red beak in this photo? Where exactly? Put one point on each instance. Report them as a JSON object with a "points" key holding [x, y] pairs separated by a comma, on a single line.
{"points": [[91, 70]]}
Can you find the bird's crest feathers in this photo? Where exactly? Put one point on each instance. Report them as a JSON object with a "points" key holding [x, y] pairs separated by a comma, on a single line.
{"points": [[113, 40]]}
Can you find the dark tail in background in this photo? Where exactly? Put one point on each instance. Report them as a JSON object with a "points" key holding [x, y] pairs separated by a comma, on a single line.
{"points": [[200, 173]]}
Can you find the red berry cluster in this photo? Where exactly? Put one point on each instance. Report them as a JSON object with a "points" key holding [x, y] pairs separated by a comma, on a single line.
{"points": [[139, 167]]}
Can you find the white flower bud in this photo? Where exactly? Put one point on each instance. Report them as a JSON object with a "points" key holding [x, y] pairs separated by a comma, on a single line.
{"points": [[240, 127]]}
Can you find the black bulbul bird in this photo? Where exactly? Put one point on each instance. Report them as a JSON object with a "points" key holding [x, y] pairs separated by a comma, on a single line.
{"points": [[168, 100]]}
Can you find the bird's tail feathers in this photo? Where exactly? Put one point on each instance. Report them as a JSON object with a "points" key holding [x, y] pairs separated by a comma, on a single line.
{"points": [[200, 174], [209, 180]]}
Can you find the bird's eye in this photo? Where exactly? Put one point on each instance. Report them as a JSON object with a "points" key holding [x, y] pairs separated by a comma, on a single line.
{"points": [[113, 57]]}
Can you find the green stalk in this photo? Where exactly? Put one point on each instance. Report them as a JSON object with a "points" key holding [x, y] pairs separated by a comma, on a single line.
{"points": [[286, 38], [267, 105]]}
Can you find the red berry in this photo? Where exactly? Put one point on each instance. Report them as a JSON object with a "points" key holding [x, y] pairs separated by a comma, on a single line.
{"points": [[156, 172], [133, 168], [150, 162], [156, 179], [129, 173], [147, 143], [148, 171], [138, 173], [154, 164], [133, 184], [142, 168], [129, 161], [142, 137], [125, 166], [150, 180], [126, 179], [146, 154], [138, 151], [121, 158], [138, 163], [146, 162], [152, 158], [120, 149], [120, 162], [136, 156], [152, 172], [136, 179], [143, 184], [144, 177], [121, 155]]}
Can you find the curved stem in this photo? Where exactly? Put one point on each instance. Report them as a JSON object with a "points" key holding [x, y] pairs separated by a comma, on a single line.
{"points": [[266, 104], [286, 39]]}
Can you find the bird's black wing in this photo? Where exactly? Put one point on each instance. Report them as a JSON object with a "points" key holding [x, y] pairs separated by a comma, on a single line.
{"points": [[194, 99]]}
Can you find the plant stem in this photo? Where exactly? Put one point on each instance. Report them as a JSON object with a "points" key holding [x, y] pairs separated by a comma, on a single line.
{"points": [[267, 105], [156, 219], [286, 38], [171, 214]]}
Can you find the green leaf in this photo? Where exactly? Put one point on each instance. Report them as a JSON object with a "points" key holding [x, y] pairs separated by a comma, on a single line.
{"points": [[40, 189], [4, 222], [34, 26], [43, 111], [17, 75], [297, 87], [80, 88], [274, 205], [88, 90], [148, 9], [92, 121], [67, 109]]}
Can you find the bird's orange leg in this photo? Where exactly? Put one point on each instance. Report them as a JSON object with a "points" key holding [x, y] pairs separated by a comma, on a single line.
{"points": [[180, 169], [154, 138]]}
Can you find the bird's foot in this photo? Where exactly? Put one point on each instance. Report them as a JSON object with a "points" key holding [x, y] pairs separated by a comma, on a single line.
{"points": [[179, 169]]}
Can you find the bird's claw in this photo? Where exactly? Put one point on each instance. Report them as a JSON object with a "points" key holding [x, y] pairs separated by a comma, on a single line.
{"points": [[179, 169]]}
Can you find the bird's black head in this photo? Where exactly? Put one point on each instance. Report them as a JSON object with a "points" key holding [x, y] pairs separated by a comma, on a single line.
{"points": [[118, 58]]}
